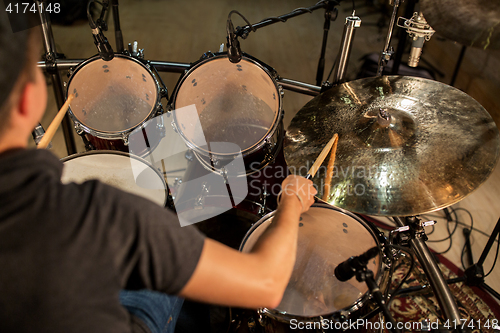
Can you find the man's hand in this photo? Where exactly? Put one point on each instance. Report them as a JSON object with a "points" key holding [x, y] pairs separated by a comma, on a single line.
{"points": [[296, 190]]}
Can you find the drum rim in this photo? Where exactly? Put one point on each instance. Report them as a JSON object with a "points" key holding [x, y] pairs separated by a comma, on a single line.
{"points": [[118, 152], [357, 304], [113, 134], [256, 146]]}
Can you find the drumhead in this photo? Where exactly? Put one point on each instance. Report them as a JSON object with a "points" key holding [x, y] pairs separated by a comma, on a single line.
{"points": [[235, 103], [112, 96], [121, 170], [327, 237]]}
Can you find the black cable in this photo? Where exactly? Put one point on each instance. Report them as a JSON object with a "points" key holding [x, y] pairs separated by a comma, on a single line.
{"points": [[412, 264], [230, 22], [333, 66], [273, 19], [450, 233], [92, 23]]}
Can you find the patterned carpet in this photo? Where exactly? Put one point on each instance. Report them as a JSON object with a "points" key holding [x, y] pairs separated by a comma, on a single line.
{"points": [[475, 305]]}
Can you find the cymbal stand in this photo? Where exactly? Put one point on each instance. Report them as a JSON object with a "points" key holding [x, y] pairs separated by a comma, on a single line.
{"points": [[388, 51], [426, 259], [51, 58]]}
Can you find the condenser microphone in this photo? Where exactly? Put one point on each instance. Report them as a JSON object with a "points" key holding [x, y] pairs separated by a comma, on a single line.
{"points": [[419, 32], [346, 270], [415, 51], [233, 50], [233, 45], [102, 44]]}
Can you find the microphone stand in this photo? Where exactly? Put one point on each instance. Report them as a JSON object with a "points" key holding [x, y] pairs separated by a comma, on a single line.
{"points": [[474, 274], [326, 28], [50, 65], [118, 30], [366, 275]]}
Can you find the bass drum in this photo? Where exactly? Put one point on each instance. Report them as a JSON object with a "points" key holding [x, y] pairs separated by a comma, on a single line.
{"points": [[112, 99], [124, 171], [327, 237], [224, 111]]}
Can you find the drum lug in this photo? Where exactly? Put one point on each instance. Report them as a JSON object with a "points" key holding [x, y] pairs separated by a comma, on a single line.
{"points": [[263, 203], [223, 174], [189, 155], [260, 318], [207, 55], [125, 139], [215, 161], [78, 128], [161, 128], [269, 150], [251, 325], [174, 127], [159, 109], [70, 72], [200, 199]]}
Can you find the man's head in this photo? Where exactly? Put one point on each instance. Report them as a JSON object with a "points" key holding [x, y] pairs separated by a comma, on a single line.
{"points": [[22, 85]]}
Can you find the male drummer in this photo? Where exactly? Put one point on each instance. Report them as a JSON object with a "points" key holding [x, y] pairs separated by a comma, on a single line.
{"points": [[67, 251]]}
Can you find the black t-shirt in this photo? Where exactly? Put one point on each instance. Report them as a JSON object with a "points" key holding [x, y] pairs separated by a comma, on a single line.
{"points": [[67, 250]]}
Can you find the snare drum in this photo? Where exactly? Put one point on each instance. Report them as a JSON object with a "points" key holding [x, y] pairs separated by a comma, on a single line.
{"points": [[127, 172], [235, 103], [327, 237], [112, 98]]}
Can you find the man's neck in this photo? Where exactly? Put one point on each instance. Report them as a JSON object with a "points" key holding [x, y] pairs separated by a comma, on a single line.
{"points": [[9, 142]]}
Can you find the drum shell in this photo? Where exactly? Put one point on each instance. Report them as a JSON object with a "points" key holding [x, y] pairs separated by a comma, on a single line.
{"points": [[246, 213], [153, 139], [119, 139]]}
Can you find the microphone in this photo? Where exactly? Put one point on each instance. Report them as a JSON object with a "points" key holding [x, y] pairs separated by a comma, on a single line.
{"points": [[419, 31], [233, 45], [346, 270], [102, 44], [100, 41], [415, 51], [38, 134]]}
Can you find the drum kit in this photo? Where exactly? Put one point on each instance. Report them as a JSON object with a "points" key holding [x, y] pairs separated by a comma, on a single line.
{"points": [[406, 146]]}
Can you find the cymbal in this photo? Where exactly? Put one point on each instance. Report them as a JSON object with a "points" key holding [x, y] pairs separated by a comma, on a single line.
{"points": [[406, 146], [470, 22]]}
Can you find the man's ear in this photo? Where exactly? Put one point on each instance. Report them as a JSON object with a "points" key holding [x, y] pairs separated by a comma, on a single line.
{"points": [[26, 100]]}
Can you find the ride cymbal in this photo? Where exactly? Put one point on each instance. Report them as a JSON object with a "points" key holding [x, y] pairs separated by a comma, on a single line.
{"points": [[406, 145]]}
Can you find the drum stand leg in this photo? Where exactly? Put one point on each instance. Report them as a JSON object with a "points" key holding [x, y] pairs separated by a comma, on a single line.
{"points": [[436, 279]]}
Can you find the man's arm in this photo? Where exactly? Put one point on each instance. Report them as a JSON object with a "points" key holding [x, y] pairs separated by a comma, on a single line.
{"points": [[257, 279]]}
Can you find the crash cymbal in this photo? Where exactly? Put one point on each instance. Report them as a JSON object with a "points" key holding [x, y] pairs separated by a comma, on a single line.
{"points": [[406, 145], [470, 22]]}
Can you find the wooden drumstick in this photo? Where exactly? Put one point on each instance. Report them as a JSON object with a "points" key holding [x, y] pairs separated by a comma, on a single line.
{"points": [[51, 130], [315, 167], [329, 170]]}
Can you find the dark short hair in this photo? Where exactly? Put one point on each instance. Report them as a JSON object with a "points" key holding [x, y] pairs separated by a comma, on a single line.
{"points": [[18, 56]]}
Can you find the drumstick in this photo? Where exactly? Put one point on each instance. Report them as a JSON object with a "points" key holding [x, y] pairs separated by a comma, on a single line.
{"points": [[51, 130], [312, 171], [329, 170]]}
